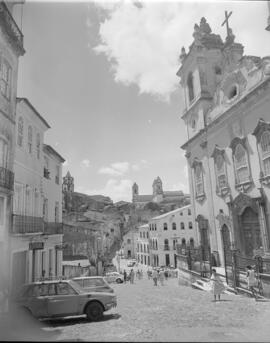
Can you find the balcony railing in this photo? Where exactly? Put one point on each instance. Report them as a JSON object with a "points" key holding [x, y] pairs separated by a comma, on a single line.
{"points": [[6, 178], [11, 28], [27, 224], [53, 228]]}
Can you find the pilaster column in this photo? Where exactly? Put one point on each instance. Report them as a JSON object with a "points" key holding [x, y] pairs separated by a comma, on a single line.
{"points": [[263, 229]]}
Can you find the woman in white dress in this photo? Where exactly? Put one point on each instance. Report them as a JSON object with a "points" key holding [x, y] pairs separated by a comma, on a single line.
{"points": [[217, 285]]}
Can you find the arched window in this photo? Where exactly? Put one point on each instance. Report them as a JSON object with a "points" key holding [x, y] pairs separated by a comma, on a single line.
{"points": [[241, 164], [182, 225], [30, 138], [190, 87], [174, 226], [190, 225], [220, 172], [165, 226], [198, 180], [191, 242], [20, 132], [38, 145], [166, 244], [3, 153], [183, 241], [265, 146]]}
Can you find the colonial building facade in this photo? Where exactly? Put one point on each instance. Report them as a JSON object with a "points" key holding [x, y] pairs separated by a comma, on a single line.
{"points": [[173, 198], [36, 233], [142, 245], [227, 101], [168, 230], [129, 243], [11, 48]]}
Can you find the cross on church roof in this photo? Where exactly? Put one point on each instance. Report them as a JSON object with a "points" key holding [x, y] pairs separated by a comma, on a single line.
{"points": [[227, 16]]}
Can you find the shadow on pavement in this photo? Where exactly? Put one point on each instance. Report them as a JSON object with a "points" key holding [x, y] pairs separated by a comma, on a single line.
{"points": [[20, 326], [79, 320]]}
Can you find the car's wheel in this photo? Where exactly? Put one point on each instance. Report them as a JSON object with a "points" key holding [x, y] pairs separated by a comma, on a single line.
{"points": [[118, 280], [94, 311]]}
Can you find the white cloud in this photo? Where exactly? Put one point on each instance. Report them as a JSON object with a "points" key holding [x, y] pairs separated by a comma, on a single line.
{"points": [[143, 42], [85, 163], [180, 186], [140, 165], [115, 169], [116, 189]]}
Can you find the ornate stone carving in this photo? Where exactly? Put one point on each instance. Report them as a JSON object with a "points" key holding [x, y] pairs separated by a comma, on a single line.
{"points": [[183, 55], [236, 141], [224, 220], [242, 201]]}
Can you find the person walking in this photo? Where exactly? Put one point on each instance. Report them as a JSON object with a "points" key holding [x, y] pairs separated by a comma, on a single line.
{"points": [[161, 277], [216, 285], [252, 281], [131, 275], [137, 274], [148, 274], [125, 276], [155, 277], [166, 273]]}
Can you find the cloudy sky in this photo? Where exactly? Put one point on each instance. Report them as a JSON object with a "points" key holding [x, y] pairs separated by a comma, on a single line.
{"points": [[103, 74]]}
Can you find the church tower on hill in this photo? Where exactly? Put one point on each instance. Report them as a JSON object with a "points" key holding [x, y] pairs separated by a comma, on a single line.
{"points": [[67, 190]]}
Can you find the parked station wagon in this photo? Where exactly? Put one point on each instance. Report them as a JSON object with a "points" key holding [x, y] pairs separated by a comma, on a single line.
{"points": [[62, 298], [93, 284]]}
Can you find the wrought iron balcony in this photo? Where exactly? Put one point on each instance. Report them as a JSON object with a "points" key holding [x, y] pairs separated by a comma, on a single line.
{"points": [[11, 28], [6, 178], [27, 224], [52, 228]]}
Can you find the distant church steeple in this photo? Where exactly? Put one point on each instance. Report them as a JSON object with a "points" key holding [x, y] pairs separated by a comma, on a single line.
{"points": [[135, 191], [68, 183]]}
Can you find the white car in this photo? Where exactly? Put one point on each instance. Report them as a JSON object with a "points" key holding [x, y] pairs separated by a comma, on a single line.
{"points": [[131, 263], [114, 277]]}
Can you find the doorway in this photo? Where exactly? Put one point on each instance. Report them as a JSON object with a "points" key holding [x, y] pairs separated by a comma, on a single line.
{"points": [[250, 231]]}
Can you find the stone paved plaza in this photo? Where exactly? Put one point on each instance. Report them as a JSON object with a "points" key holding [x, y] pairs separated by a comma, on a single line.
{"points": [[164, 313]]}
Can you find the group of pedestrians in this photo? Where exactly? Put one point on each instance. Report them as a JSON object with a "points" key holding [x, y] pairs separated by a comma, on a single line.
{"points": [[158, 275], [131, 275]]}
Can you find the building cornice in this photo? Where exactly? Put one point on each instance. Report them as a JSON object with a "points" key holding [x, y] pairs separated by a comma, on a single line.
{"points": [[11, 29]]}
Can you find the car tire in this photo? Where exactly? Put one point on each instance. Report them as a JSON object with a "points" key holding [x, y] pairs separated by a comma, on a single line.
{"points": [[118, 281], [94, 311]]}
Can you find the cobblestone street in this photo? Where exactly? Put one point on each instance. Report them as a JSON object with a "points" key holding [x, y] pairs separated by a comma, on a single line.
{"points": [[171, 313]]}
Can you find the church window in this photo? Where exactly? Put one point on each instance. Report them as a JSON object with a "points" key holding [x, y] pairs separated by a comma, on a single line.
{"points": [[165, 226], [199, 180], [232, 92], [218, 70], [221, 172], [241, 164], [5, 79], [190, 225], [30, 137], [191, 242], [38, 145], [3, 153], [20, 132], [182, 225], [265, 148], [174, 226], [190, 87]]}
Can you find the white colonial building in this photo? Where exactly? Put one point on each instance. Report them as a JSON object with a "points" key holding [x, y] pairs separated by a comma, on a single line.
{"points": [[168, 230], [11, 48], [36, 234], [142, 245]]}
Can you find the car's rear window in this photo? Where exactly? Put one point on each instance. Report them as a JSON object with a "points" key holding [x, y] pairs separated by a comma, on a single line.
{"points": [[93, 282], [80, 282]]}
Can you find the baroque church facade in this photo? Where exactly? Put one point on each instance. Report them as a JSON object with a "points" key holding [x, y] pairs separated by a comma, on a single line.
{"points": [[168, 198], [227, 101]]}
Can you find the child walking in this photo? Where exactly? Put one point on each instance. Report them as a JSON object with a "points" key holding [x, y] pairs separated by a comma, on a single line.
{"points": [[217, 285]]}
